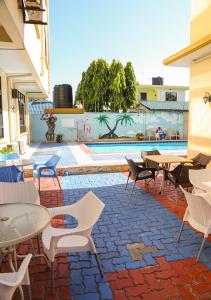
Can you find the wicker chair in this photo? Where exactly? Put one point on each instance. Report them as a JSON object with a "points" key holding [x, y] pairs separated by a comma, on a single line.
{"points": [[201, 159], [179, 176], [148, 163], [136, 173]]}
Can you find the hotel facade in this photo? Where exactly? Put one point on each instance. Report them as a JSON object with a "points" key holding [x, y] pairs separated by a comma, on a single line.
{"points": [[24, 65], [197, 57]]}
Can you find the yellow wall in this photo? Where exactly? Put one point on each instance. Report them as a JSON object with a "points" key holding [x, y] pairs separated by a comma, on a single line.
{"points": [[199, 132], [200, 19], [151, 92], [199, 135]]}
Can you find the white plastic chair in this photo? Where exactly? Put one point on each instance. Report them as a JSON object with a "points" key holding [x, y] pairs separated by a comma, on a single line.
{"points": [[171, 134], [150, 134], [10, 281], [12, 192], [63, 240], [198, 215], [197, 177]]}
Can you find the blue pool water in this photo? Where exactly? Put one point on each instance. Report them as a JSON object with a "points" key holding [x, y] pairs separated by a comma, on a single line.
{"points": [[136, 146]]}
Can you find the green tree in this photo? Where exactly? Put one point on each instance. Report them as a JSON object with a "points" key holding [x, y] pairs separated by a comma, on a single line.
{"points": [[79, 95], [123, 119], [100, 82], [130, 93], [116, 86], [105, 87]]}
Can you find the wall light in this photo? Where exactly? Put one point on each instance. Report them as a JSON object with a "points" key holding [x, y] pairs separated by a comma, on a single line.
{"points": [[207, 97]]}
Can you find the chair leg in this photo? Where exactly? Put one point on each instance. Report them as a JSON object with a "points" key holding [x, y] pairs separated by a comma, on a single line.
{"points": [[133, 188], [99, 264], [58, 182], [201, 248], [29, 292], [39, 184], [180, 232], [52, 277], [127, 182]]}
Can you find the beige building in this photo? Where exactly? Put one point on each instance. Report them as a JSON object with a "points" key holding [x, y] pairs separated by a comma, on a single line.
{"points": [[24, 64], [197, 56]]}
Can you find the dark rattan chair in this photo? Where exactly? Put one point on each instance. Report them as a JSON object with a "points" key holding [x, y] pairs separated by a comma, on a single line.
{"points": [[137, 172], [149, 163], [180, 175], [201, 159]]}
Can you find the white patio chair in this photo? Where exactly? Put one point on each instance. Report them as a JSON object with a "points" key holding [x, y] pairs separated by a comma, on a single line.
{"points": [[10, 281], [150, 134], [197, 177], [12, 192], [198, 215], [171, 134], [63, 240]]}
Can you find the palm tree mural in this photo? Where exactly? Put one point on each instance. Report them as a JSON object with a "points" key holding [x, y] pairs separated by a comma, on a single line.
{"points": [[123, 119]]}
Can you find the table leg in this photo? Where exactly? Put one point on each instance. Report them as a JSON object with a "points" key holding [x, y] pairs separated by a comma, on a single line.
{"points": [[165, 167]]}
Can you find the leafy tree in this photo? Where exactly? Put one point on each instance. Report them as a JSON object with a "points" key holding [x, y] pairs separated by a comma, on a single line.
{"points": [[100, 81], [130, 93], [79, 96], [116, 85], [123, 119], [105, 87]]}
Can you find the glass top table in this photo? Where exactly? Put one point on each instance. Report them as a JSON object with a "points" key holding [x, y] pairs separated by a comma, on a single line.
{"points": [[21, 221]]}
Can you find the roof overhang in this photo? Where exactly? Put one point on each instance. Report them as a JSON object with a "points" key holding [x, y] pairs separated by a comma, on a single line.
{"points": [[193, 52]]}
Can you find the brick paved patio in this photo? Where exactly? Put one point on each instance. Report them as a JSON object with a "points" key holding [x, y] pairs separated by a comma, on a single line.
{"points": [[164, 268]]}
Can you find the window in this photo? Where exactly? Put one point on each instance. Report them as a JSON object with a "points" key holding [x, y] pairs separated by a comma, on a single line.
{"points": [[1, 114], [171, 96], [143, 96], [21, 105]]}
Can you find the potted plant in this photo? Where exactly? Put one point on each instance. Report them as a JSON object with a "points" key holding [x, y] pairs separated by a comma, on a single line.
{"points": [[59, 138], [139, 136], [177, 135]]}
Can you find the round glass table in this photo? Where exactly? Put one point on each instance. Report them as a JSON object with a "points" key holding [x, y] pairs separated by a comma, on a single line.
{"points": [[20, 222]]}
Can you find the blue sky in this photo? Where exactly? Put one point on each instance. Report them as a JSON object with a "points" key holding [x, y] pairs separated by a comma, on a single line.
{"points": [[141, 31]]}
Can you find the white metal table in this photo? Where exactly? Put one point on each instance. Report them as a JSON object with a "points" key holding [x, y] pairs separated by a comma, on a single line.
{"points": [[20, 222]]}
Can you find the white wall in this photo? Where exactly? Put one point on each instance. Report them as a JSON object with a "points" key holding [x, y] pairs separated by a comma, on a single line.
{"points": [[161, 94]]}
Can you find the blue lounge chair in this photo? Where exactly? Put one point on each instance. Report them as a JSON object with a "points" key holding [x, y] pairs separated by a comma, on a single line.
{"points": [[11, 174], [47, 170]]}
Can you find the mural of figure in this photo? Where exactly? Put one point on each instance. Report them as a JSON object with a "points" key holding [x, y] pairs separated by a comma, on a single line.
{"points": [[50, 121]]}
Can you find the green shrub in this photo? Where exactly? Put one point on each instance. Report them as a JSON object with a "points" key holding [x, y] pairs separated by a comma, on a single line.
{"points": [[6, 150]]}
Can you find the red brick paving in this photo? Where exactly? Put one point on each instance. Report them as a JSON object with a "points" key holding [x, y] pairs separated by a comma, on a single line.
{"points": [[183, 279]]}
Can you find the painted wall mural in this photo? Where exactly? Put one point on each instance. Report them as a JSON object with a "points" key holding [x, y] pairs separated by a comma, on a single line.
{"points": [[88, 125], [51, 123]]}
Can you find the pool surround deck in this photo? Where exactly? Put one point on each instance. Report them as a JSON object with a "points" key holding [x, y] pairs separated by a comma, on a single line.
{"points": [[77, 158]]}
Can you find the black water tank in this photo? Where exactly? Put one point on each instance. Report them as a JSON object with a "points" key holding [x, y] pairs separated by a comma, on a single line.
{"points": [[63, 96], [157, 80]]}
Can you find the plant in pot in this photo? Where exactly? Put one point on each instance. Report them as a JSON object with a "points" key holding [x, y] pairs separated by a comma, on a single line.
{"points": [[140, 136], [177, 135], [59, 138]]}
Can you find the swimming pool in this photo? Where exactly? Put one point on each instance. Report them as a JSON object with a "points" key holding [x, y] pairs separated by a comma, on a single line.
{"points": [[136, 146]]}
